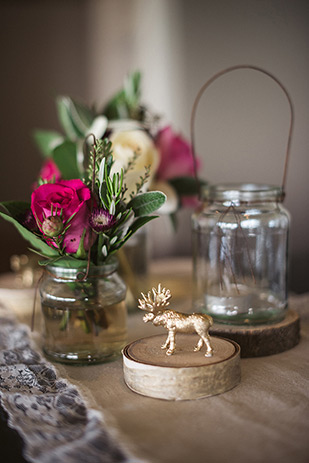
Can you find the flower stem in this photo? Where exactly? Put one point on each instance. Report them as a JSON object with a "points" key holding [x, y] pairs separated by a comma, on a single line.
{"points": [[99, 248]]}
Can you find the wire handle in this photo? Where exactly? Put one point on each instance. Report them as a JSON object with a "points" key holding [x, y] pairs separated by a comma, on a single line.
{"points": [[215, 77]]}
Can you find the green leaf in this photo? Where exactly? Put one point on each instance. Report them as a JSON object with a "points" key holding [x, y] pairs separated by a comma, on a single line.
{"points": [[136, 225], [65, 157], [101, 174], [98, 126], [81, 253], [146, 203], [47, 140], [185, 186], [103, 192], [35, 241], [132, 88], [66, 262], [82, 116], [16, 209], [116, 108], [75, 118], [125, 104], [65, 119], [140, 222]]}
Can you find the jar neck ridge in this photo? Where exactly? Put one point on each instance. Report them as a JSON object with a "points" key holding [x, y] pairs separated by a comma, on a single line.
{"points": [[242, 193], [75, 273]]}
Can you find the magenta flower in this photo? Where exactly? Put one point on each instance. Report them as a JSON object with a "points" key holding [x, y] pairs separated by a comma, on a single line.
{"points": [[64, 199], [176, 155], [50, 172], [101, 220]]}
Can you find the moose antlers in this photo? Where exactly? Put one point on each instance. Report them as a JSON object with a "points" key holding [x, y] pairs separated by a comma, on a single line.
{"points": [[155, 299]]}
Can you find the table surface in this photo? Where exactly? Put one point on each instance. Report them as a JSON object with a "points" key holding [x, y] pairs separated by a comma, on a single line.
{"points": [[264, 418]]}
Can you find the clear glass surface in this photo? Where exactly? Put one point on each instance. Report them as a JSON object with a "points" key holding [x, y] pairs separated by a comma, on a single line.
{"points": [[84, 320], [240, 243]]}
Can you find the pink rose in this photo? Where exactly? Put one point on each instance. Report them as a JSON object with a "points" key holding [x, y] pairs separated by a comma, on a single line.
{"points": [[176, 155], [64, 198], [50, 171]]}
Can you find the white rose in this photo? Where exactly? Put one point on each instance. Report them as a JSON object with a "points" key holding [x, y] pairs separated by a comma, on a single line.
{"points": [[128, 143]]}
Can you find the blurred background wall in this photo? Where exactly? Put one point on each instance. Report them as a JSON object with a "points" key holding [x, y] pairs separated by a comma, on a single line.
{"points": [[84, 48]]}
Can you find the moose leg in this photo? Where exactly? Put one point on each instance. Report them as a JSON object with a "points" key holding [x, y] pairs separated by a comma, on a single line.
{"points": [[198, 345], [171, 337], [209, 350], [167, 342]]}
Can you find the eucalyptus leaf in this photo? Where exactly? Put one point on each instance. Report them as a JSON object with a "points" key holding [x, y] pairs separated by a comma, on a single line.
{"points": [[65, 117], [98, 127], [65, 156], [82, 116], [140, 222], [46, 141], [35, 241], [146, 203], [137, 224], [75, 118]]}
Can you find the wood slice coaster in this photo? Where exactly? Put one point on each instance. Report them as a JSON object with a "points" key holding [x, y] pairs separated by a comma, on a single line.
{"points": [[262, 340], [185, 374]]}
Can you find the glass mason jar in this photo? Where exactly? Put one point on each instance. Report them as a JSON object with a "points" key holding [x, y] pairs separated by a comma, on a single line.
{"points": [[240, 242], [84, 320]]}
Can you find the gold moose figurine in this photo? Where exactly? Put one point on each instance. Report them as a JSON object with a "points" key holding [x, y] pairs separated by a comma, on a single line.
{"points": [[155, 304]]}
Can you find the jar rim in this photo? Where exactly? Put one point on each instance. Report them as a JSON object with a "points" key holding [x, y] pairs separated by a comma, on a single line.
{"points": [[102, 270], [243, 192]]}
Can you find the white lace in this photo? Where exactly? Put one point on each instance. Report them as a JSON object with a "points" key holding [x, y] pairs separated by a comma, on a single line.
{"points": [[48, 412]]}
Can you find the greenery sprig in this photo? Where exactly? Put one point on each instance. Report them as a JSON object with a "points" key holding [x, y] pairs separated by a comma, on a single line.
{"points": [[113, 219]]}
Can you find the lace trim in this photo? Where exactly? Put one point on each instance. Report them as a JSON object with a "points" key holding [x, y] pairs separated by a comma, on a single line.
{"points": [[48, 412]]}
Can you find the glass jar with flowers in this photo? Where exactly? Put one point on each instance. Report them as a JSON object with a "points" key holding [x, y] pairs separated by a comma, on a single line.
{"points": [[137, 142], [78, 226]]}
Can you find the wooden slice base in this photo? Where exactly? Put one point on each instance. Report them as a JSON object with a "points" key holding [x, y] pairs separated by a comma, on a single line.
{"points": [[185, 374], [262, 340]]}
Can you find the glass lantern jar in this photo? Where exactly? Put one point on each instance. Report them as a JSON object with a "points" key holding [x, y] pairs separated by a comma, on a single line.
{"points": [[240, 244], [84, 319]]}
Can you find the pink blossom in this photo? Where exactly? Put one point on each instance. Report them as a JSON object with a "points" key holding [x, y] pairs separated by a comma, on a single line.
{"points": [[64, 198], [50, 171], [176, 155]]}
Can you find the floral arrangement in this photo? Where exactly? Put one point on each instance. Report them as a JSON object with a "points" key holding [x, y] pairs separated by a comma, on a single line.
{"points": [[78, 222], [137, 142]]}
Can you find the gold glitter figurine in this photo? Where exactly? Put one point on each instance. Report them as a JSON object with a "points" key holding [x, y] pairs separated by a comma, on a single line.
{"points": [[155, 304]]}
